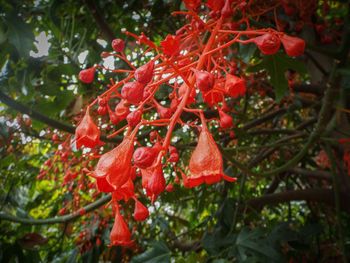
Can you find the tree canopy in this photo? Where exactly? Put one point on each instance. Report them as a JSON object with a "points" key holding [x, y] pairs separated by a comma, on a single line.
{"points": [[174, 131]]}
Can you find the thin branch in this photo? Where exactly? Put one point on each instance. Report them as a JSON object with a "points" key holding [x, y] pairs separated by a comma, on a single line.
{"points": [[321, 195], [44, 119], [105, 29], [56, 220]]}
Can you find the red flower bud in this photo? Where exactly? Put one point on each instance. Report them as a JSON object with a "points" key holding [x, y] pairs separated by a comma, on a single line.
{"points": [[120, 233], [144, 157], [121, 110], [226, 120], [141, 212], [226, 10], [102, 110], [268, 43], [87, 133], [144, 73], [156, 183], [206, 162], [170, 188], [294, 46], [87, 75], [134, 118], [215, 5], [174, 157], [235, 86], [118, 45], [133, 92], [204, 80], [192, 3], [164, 113]]}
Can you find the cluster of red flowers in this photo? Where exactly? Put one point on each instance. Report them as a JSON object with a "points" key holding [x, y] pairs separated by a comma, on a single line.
{"points": [[197, 67]]}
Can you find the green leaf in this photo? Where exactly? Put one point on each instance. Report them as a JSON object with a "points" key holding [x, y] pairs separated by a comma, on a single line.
{"points": [[20, 34], [158, 253], [277, 65]]}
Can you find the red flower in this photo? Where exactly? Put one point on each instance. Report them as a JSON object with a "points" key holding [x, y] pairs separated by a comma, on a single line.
{"points": [[206, 162], [87, 75], [294, 46], [268, 43], [171, 45], [125, 192], [118, 45], [192, 3], [141, 212], [133, 92], [144, 73], [226, 120], [144, 157], [87, 133], [216, 5], [235, 86], [120, 234], [114, 167], [205, 80]]}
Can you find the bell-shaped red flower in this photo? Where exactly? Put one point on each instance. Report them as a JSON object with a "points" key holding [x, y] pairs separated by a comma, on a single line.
{"points": [[144, 157], [114, 167], [144, 73], [226, 120], [268, 43], [192, 3], [294, 46], [171, 45], [205, 80], [215, 5], [87, 133], [133, 91], [120, 234], [164, 113], [141, 212], [206, 162], [134, 118], [87, 75], [235, 86], [125, 192]]}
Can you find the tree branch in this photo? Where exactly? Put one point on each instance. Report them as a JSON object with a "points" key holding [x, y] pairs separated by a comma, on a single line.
{"points": [[325, 196], [56, 220], [44, 119]]}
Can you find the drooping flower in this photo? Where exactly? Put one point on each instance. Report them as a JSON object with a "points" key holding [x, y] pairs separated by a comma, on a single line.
{"points": [[192, 3], [235, 86], [216, 5], [125, 192], [156, 184], [87, 133], [226, 120], [268, 43], [294, 46], [141, 212], [120, 233], [134, 118], [144, 157], [171, 45], [133, 92], [206, 162], [144, 73], [114, 167], [204, 80], [87, 75]]}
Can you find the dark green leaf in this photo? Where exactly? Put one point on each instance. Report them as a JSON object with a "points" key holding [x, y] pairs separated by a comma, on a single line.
{"points": [[158, 253]]}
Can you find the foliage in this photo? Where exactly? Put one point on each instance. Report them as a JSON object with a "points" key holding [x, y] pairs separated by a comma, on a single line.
{"points": [[286, 140]]}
